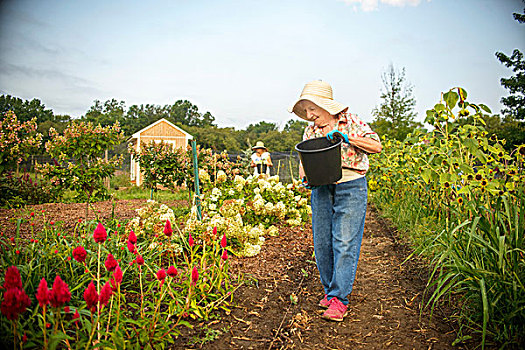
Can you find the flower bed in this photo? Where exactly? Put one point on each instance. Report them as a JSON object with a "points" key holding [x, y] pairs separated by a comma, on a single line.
{"points": [[109, 287]]}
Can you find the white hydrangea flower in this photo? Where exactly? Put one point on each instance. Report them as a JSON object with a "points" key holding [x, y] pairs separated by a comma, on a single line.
{"points": [[239, 180], [302, 202], [272, 231], [268, 207], [274, 179], [216, 192], [221, 176], [204, 176], [251, 249]]}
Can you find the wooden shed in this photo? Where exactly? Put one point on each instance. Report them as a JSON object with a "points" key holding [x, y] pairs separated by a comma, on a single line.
{"points": [[160, 131]]}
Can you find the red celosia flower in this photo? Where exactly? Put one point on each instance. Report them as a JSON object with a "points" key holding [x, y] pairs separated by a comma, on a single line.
{"points": [[100, 235], [12, 278], [194, 275], [105, 294], [66, 309], [42, 293], [132, 237], [161, 275], [76, 317], [114, 285], [215, 230], [60, 293], [224, 255], [79, 254], [24, 338], [167, 228], [15, 302], [131, 247], [91, 296], [190, 241], [172, 271], [223, 241], [140, 260], [117, 275], [110, 263]]}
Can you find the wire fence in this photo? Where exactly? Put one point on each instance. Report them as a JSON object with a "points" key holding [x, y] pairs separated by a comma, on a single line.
{"points": [[285, 164]]}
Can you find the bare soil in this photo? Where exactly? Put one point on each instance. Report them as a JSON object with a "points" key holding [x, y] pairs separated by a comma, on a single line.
{"points": [[277, 307]]}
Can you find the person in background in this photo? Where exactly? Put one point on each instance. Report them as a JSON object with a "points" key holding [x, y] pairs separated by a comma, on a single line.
{"points": [[261, 160], [338, 209]]}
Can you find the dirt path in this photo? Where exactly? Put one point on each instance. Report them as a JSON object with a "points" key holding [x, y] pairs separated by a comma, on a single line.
{"points": [[384, 308], [383, 312]]}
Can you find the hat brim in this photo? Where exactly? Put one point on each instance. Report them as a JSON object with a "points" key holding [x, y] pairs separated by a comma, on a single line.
{"points": [[331, 106], [259, 147]]}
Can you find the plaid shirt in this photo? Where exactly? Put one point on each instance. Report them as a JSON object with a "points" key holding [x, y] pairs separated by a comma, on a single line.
{"points": [[352, 157]]}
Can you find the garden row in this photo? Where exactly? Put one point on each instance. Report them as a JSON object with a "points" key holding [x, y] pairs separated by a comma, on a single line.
{"points": [[120, 284], [135, 284], [461, 198]]}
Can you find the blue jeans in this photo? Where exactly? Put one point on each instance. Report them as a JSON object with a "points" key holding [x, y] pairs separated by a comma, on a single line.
{"points": [[338, 222]]}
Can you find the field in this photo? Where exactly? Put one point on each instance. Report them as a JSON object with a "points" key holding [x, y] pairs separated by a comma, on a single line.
{"points": [[385, 305], [233, 267]]}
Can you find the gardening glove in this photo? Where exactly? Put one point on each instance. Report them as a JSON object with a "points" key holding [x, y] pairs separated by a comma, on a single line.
{"points": [[332, 135], [305, 184]]}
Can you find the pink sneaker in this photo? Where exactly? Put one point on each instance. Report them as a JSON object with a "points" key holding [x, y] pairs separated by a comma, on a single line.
{"points": [[336, 311], [324, 302]]}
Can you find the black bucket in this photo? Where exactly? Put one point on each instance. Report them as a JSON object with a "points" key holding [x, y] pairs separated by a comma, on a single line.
{"points": [[261, 168], [321, 160]]}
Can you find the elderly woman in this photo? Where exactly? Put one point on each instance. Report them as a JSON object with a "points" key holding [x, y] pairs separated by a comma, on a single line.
{"points": [[338, 209]]}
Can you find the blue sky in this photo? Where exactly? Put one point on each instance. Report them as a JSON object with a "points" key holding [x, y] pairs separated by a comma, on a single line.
{"points": [[247, 61]]}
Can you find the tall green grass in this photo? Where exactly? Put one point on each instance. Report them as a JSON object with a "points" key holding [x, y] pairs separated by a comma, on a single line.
{"points": [[482, 262]]}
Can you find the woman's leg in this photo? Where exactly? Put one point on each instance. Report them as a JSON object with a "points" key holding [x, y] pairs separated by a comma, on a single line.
{"points": [[322, 212], [348, 221]]}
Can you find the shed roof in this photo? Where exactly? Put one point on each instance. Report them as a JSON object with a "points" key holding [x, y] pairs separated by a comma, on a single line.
{"points": [[136, 135]]}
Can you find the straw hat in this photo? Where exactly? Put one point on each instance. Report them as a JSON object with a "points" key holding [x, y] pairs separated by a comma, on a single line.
{"points": [[320, 93], [259, 144]]}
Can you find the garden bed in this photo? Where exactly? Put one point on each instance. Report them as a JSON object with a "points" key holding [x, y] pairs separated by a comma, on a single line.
{"points": [[277, 305]]}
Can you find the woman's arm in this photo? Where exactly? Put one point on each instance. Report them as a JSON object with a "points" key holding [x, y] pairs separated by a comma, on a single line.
{"points": [[367, 144]]}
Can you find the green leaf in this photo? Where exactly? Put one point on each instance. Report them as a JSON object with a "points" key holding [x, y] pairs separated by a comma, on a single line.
{"points": [[439, 107], [426, 175], [485, 108], [451, 98]]}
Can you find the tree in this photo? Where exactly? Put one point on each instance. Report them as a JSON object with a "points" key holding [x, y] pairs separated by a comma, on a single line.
{"points": [[512, 127], [515, 103], [261, 127], [79, 164], [296, 126], [395, 115], [25, 110], [18, 140], [106, 114]]}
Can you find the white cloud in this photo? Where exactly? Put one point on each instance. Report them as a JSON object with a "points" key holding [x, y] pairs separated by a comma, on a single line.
{"points": [[372, 5]]}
